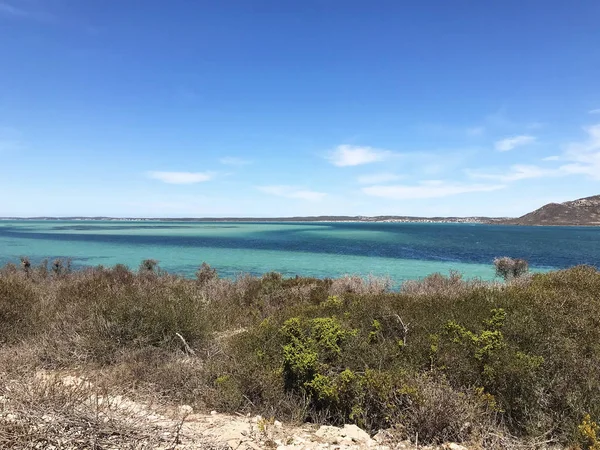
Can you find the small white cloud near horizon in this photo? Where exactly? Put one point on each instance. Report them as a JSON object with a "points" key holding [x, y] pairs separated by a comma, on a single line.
{"points": [[516, 172], [292, 192], [181, 177], [584, 157], [594, 111], [376, 178], [580, 158], [428, 189], [234, 161], [350, 155], [510, 143]]}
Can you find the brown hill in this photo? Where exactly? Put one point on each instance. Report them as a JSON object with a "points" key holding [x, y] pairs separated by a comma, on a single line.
{"points": [[583, 211]]}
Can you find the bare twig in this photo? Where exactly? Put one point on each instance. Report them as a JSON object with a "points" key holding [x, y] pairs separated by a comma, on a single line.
{"points": [[404, 328], [177, 439], [187, 348]]}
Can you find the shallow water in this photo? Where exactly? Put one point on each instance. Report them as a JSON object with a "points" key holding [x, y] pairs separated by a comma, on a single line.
{"points": [[399, 250]]}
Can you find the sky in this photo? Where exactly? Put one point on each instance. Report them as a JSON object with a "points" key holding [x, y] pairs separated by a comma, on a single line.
{"points": [[252, 108]]}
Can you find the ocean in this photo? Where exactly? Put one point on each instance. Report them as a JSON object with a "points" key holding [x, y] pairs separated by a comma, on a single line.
{"points": [[401, 251]]}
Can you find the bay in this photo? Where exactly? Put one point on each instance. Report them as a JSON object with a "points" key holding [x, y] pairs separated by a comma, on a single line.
{"points": [[399, 250]]}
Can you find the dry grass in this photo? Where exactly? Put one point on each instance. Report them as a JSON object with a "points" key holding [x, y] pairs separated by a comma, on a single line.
{"points": [[44, 413]]}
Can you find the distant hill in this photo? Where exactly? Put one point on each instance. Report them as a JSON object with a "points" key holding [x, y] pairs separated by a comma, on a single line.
{"points": [[583, 211]]}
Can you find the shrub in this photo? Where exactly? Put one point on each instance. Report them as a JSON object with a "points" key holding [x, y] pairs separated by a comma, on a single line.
{"points": [[206, 273], [18, 312], [509, 268], [148, 266], [589, 434], [446, 358], [26, 264]]}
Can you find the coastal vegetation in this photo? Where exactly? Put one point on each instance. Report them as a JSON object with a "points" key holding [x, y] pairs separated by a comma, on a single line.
{"points": [[442, 358]]}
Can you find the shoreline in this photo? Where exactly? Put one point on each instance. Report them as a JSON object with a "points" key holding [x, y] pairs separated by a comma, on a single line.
{"points": [[399, 219]]}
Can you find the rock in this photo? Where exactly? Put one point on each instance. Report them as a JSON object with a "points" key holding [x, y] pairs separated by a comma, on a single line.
{"points": [[329, 434], [355, 433], [234, 443], [185, 410], [213, 413], [383, 436], [277, 424], [454, 446]]}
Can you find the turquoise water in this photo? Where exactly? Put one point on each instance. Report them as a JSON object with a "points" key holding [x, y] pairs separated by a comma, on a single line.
{"points": [[399, 250]]}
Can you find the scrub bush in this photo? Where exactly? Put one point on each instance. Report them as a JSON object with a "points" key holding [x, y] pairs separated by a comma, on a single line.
{"points": [[446, 358]]}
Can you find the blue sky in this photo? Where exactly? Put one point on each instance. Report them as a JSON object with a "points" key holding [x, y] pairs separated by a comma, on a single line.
{"points": [[281, 108]]}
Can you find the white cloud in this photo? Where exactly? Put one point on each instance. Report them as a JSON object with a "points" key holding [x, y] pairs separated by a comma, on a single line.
{"points": [[10, 10], [515, 173], [428, 189], [234, 161], [375, 178], [594, 111], [349, 155], [581, 158], [292, 192], [510, 143], [182, 177], [584, 157]]}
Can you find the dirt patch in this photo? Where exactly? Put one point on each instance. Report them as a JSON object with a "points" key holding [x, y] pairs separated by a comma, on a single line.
{"points": [[54, 410]]}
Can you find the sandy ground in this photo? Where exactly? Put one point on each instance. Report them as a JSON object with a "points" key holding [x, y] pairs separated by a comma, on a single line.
{"points": [[116, 421]]}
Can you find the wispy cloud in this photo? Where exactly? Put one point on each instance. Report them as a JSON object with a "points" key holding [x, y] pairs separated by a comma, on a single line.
{"points": [[428, 189], [10, 10], [516, 172], [182, 177], [579, 158], [376, 178], [349, 155], [595, 111], [510, 143], [584, 157], [292, 192], [234, 161]]}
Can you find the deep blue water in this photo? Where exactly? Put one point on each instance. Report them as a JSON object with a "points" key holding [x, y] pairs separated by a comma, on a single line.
{"points": [[400, 250]]}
